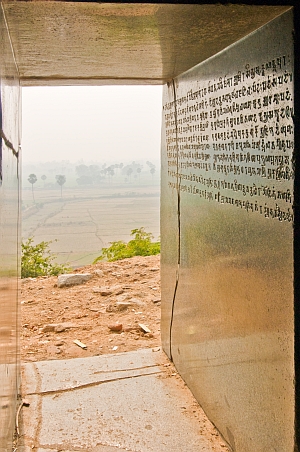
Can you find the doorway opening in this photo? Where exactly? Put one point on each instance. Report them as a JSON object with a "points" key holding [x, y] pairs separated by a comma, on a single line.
{"points": [[91, 176]]}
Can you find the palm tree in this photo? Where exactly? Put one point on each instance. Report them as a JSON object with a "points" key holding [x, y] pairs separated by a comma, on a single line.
{"points": [[60, 179], [32, 180], [152, 171], [44, 177], [129, 172]]}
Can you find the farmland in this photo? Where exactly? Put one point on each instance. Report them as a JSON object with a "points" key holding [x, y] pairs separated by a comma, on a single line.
{"points": [[84, 220]]}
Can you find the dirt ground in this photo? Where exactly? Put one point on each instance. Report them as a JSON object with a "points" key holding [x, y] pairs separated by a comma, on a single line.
{"points": [[125, 293]]}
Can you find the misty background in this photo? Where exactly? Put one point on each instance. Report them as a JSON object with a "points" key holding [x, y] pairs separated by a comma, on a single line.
{"points": [[90, 166]]}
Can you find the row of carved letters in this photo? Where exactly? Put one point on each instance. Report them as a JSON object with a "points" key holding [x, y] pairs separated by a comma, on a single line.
{"points": [[275, 213], [257, 104], [279, 173], [236, 186], [256, 88]]}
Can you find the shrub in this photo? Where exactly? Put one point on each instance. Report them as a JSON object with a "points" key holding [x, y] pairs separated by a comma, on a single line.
{"points": [[140, 245], [36, 260]]}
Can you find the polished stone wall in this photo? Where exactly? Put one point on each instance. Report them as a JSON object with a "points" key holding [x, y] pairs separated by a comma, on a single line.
{"points": [[227, 236], [9, 238]]}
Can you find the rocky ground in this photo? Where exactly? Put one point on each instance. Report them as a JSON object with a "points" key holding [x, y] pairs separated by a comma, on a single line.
{"points": [[110, 313], [116, 310]]}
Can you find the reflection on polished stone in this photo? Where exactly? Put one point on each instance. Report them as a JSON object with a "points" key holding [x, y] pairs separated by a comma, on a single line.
{"points": [[9, 233], [227, 159]]}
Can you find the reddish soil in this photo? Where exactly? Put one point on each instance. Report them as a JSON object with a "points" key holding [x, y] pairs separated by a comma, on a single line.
{"points": [[125, 292]]}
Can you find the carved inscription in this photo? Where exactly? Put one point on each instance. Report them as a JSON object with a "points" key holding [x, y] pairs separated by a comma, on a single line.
{"points": [[231, 140]]}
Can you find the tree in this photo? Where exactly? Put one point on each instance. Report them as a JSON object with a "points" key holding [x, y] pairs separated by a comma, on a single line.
{"points": [[84, 180], [32, 180], [152, 171], [129, 172], [43, 177], [82, 170], [60, 179]]}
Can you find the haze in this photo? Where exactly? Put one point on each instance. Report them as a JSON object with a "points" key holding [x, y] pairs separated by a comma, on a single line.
{"points": [[89, 123]]}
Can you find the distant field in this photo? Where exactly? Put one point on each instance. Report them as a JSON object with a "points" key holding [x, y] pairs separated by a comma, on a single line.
{"points": [[85, 220]]}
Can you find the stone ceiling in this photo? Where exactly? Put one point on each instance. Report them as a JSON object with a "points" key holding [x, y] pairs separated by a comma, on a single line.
{"points": [[57, 42]]}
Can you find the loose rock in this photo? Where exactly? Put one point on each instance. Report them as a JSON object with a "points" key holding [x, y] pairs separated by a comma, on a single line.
{"points": [[57, 327], [123, 305], [78, 307], [99, 272], [73, 279], [115, 327]]}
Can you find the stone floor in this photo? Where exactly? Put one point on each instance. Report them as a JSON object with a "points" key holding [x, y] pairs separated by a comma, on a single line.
{"points": [[132, 401]]}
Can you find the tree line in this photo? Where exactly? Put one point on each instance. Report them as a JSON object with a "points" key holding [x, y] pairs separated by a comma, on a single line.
{"points": [[88, 175]]}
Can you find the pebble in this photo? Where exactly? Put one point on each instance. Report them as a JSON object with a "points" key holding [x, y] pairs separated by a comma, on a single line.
{"points": [[99, 272], [115, 327], [123, 305], [105, 293]]}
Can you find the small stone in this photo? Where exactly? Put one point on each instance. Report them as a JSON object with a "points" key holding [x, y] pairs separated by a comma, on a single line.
{"points": [[73, 279], [115, 327], [144, 328], [59, 343], [99, 272], [59, 329], [105, 293], [156, 300], [137, 302], [52, 349], [122, 305], [150, 335], [128, 329], [48, 328]]}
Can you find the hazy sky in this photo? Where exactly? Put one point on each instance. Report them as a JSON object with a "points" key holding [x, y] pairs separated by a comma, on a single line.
{"points": [[91, 123]]}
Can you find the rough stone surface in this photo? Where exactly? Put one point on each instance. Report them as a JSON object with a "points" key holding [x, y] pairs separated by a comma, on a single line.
{"points": [[73, 279]]}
